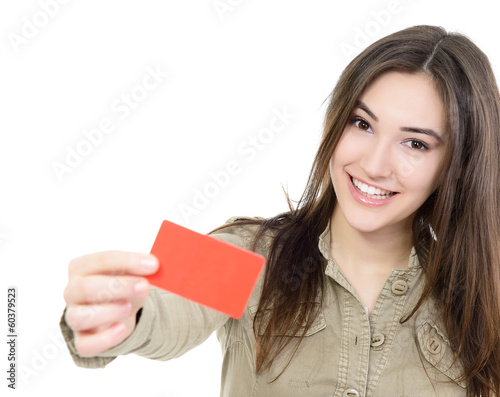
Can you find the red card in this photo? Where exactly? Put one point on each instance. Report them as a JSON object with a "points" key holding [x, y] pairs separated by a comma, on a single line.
{"points": [[205, 269]]}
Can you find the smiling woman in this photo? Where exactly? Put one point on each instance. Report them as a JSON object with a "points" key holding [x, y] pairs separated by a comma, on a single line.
{"points": [[375, 150], [377, 193], [403, 198], [384, 281]]}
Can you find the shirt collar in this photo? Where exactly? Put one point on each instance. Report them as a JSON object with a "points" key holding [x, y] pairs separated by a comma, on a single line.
{"points": [[324, 247]]}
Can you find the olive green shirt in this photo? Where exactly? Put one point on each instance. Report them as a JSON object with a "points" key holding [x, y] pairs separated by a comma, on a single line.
{"points": [[346, 352]]}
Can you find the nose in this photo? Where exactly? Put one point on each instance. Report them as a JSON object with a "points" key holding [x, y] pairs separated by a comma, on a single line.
{"points": [[376, 161]]}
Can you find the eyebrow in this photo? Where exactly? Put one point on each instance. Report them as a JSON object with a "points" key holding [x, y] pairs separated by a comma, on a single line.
{"points": [[427, 131]]}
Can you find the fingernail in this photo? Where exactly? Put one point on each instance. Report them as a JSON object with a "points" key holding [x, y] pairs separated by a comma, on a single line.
{"points": [[141, 286], [149, 262]]}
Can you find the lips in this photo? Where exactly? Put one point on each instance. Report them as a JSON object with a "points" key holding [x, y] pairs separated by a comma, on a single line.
{"points": [[370, 191], [366, 199]]}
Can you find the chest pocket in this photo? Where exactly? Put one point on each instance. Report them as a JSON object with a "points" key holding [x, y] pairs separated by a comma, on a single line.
{"points": [[436, 349], [318, 324], [311, 369]]}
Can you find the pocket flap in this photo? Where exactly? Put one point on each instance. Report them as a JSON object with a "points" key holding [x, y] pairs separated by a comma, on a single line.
{"points": [[318, 324], [437, 350]]}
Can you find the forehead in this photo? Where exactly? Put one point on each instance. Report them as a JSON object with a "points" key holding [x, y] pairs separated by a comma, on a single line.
{"points": [[407, 99]]}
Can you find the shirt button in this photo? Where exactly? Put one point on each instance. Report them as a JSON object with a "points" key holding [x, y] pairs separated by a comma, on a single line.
{"points": [[377, 340], [433, 345], [399, 287], [351, 393]]}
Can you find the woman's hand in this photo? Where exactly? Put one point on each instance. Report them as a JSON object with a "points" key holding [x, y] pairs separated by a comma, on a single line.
{"points": [[104, 293]]}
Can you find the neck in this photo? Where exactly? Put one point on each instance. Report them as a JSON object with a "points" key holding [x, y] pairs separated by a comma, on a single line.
{"points": [[369, 252]]}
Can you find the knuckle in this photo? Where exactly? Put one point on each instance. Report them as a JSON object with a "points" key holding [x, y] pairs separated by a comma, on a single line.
{"points": [[113, 259], [71, 291], [82, 346], [116, 285], [111, 290], [66, 295], [77, 265], [88, 345], [102, 259], [71, 318], [104, 340], [73, 266], [128, 260], [79, 318], [91, 291], [67, 317], [84, 289], [88, 317], [102, 295], [117, 256]]}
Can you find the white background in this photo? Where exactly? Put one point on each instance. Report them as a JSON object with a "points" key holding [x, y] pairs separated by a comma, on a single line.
{"points": [[227, 70]]}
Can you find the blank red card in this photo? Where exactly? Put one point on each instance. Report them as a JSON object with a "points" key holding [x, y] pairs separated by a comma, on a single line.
{"points": [[205, 269]]}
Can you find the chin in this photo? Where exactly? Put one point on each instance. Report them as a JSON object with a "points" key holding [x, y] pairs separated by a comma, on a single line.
{"points": [[363, 228], [368, 224], [364, 225]]}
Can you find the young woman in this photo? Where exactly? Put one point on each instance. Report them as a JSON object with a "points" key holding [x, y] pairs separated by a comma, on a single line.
{"points": [[384, 281]]}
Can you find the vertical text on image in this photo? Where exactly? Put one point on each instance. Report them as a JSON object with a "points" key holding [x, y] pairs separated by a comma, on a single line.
{"points": [[12, 337]]}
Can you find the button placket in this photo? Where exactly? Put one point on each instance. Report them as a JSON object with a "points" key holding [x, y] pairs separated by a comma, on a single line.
{"points": [[385, 317], [399, 287], [377, 341]]}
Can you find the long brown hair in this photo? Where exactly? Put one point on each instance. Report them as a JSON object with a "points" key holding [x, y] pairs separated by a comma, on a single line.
{"points": [[462, 263]]}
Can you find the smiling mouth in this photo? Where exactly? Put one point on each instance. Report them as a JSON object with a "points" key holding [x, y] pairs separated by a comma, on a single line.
{"points": [[371, 191]]}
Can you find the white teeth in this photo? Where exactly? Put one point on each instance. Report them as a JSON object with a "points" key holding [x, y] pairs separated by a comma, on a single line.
{"points": [[371, 191]]}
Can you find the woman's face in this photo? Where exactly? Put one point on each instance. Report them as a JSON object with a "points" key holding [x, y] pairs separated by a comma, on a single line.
{"points": [[389, 158]]}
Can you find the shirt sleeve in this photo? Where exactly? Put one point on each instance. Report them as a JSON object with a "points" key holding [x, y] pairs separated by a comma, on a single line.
{"points": [[168, 327]]}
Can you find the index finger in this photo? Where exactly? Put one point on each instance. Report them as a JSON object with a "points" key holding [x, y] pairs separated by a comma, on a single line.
{"points": [[114, 262]]}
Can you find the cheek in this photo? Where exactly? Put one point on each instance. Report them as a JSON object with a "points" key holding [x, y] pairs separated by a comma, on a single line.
{"points": [[411, 165], [420, 170], [348, 150], [419, 173]]}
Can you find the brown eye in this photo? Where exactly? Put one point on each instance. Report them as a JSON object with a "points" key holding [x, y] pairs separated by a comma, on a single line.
{"points": [[416, 145], [362, 125]]}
